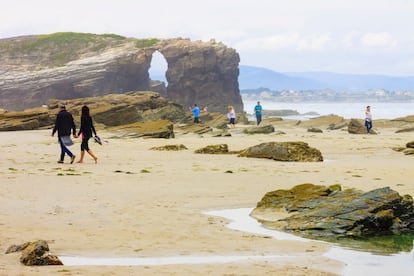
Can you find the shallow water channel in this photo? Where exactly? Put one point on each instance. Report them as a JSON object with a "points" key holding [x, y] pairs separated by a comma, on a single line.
{"points": [[356, 262]]}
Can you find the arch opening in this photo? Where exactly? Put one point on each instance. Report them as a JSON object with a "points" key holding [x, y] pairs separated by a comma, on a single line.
{"points": [[157, 73]]}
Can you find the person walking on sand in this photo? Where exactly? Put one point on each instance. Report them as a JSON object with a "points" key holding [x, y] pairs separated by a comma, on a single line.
{"points": [[64, 124], [86, 129], [196, 113], [258, 112], [368, 119], [232, 116]]}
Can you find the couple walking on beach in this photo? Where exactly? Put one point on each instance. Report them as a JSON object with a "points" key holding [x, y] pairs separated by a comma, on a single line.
{"points": [[65, 125]]}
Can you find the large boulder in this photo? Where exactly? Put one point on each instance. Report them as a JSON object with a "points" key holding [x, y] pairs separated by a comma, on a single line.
{"points": [[316, 211], [328, 121], [34, 69], [284, 151], [37, 253], [356, 126], [265, 129], [214, 149]]}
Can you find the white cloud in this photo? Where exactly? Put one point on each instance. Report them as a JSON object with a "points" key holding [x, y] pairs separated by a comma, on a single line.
{"points": [[273, 42], [314, 43], [350, 39], [292, 41], [380, 40]]}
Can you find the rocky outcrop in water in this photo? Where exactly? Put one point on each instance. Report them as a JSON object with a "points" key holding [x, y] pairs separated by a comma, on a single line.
{"points": [[316, 211], [34, 69]]}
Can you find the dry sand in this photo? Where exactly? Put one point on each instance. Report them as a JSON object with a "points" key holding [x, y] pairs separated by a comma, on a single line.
{"points": [[138, 202]]}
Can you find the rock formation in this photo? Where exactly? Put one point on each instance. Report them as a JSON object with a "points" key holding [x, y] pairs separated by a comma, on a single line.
{"points": [[284, 151], [329, 213], [109, 110], [35, 253], [355, 126], [214, 149], [259, 129], [34, 69], [407, 150]]}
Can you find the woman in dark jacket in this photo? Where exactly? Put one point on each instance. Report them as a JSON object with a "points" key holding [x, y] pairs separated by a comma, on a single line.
{"points": [[86, 128]]}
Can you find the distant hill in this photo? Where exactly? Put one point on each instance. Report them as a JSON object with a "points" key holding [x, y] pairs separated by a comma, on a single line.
{"points": [[254, 77]]}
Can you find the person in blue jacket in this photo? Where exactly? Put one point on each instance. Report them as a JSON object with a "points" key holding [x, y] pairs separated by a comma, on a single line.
{"points": [[196, 113], [258, 111]]}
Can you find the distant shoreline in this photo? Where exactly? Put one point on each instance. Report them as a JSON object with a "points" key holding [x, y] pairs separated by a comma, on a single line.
{"points": [[380, 110]]}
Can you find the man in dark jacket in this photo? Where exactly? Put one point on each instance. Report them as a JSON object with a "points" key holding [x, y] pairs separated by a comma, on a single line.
{"points": [[64, 125]]}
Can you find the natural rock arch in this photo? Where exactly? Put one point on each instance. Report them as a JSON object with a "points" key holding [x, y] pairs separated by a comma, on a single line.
{"points": [[205, 73], [199, 72]]}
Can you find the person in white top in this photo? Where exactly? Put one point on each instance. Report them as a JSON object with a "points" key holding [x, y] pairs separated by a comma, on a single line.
{"points": [[232, 116], [368, 119]]}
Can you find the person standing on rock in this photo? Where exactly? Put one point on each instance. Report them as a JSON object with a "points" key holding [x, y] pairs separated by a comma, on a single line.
{"points": [[368, 119], [258, 112], [86, 129], [232, 116], [64, 124], [196, 113]]}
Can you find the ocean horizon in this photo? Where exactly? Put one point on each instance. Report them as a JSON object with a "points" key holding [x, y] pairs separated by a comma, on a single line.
{"points": [[379, 110]]}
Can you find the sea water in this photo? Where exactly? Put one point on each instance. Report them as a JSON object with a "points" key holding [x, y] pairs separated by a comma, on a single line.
{"points": [[379, 110]]}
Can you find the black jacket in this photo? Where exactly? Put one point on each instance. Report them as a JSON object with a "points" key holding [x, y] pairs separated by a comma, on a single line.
{"points": [[64, 124], [87, 127]]}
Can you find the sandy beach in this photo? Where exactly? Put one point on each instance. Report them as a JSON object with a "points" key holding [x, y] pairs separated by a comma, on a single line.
{"points": [[141, 203]]}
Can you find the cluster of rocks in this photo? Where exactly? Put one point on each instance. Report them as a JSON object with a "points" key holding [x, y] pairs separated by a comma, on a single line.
{"points": [[135, 114], [283, 151], [407, 150], [35, 253]]}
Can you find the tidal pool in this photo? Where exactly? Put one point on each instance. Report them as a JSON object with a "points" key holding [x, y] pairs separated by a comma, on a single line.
{"points": [[356, 262]]}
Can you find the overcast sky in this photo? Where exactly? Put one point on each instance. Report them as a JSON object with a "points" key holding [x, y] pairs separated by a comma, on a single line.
{"points": [[344, 36]]}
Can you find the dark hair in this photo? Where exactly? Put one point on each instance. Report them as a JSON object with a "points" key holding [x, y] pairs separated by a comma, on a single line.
{"points": [[85, 111]]}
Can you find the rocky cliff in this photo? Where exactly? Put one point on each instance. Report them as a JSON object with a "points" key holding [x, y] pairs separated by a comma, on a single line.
{"points": [[34, 69]]}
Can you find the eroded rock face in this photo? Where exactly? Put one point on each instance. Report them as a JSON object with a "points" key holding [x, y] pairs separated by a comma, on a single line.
{"points": [[149, 129], [205, 73], [109, 110], [31, 72]]}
